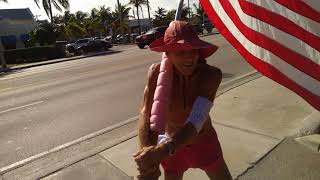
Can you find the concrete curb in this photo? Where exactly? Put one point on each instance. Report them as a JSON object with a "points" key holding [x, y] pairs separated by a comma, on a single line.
{"points": [[15, 68], [311, 125], [18, 164], [229, 85], [311, 141], [259, 160], [209, 34], [85, 155]]}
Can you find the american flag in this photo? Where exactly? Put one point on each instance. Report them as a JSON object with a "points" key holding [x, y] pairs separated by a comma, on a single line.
{"points": [[279, 38]]}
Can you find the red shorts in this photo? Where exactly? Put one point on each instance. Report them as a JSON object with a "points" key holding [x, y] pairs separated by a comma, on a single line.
{"points": [[205, 154]]}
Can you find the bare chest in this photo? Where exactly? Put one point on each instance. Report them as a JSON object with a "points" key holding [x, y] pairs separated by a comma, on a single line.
{"points": [[183, 95]]}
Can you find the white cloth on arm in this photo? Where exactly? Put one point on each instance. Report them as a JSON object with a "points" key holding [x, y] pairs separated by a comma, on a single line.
{"points": [[163, 138], [200, 112]]}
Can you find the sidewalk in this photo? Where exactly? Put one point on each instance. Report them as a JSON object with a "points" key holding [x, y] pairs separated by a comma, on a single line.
{"points": [[251, 120]]}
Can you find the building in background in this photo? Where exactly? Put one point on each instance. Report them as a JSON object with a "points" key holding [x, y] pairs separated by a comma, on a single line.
{"points": [[15, 24], [134, 25]]}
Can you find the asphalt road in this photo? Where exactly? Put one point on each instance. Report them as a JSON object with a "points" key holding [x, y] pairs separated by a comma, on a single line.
{"points": [[46, 106]]}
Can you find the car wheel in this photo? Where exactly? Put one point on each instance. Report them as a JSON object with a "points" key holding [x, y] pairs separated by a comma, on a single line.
{"points": [[71, 50], [80, 52], [141, 46]]}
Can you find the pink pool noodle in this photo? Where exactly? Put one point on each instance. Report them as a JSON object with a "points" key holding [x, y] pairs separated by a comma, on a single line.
{"points": [[161, 98]]}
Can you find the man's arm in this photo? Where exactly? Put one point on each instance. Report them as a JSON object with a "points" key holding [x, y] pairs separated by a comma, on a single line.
{"points": [[146, 136]]}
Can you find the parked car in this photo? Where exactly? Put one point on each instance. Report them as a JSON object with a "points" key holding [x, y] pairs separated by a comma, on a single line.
{"points": [[72, 47], [108, 38], [150, 36], [94, 45], [208, 27], [120, 37]]}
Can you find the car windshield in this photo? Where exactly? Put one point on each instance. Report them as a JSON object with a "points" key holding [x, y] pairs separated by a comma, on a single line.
{"points": [[82, 41], [151, 31]]}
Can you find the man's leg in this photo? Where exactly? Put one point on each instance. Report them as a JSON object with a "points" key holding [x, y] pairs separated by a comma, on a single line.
{"points": [[170, 176], [221, 173]]}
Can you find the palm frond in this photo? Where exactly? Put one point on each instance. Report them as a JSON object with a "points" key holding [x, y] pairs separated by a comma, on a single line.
{"points": [[46, 7], [56, 5], [64, 3], [35, 1]]}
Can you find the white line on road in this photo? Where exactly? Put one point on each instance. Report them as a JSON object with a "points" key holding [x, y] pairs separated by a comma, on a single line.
{"points": [[20, 107], [15, 165]]}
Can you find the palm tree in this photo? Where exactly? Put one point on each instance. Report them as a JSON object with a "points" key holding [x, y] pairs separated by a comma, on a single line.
{"points": [[199, 13], [148, 10], [160, 18], [58, 4], [105, 17], [123, 12], [137, 4], [184, 14], [81, 16]]}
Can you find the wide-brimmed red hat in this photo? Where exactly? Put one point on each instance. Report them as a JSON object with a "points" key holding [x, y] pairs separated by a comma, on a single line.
{"points": [[181, 36]]}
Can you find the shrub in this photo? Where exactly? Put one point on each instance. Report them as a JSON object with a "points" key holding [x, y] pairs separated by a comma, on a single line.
{"points": [[33, 54]]}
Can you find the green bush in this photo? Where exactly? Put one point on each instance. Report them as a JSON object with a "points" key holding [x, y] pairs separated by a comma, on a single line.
{"points": [[33, 54]]}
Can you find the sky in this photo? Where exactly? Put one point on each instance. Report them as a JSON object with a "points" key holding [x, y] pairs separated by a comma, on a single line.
{"points": [[87, 5]]}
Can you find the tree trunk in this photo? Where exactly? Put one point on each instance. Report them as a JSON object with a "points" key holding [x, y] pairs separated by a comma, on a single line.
{"points": [[149, 11], [3, 62], [138, 19]]}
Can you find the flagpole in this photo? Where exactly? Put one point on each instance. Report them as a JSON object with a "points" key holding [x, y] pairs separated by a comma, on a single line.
{"points": [[179, 10]]}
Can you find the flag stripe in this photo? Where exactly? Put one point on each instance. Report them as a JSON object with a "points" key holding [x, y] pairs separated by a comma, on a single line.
{"points": [[267, 56], [301, 8], [259, 65], [313, 3], [300, 62], [291, 42], [281, 22], [298, 19]]}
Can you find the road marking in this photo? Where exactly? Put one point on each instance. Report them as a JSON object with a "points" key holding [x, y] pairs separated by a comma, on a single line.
{"points": [[18, 164], [20, 107], [70, 77]]}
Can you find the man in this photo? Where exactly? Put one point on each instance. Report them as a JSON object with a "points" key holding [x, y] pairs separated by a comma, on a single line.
{"points": [[190, 140]]}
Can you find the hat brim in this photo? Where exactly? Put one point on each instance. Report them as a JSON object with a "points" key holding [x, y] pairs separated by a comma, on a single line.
{"points": [[206, 49]]}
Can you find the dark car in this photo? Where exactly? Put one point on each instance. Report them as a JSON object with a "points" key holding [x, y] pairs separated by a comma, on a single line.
{"points": [[72, 47], [125, 38], [150, 36], [94, 45]]}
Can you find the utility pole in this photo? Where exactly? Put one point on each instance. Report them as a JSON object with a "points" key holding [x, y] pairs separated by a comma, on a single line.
{"points": [[121, 23]]}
